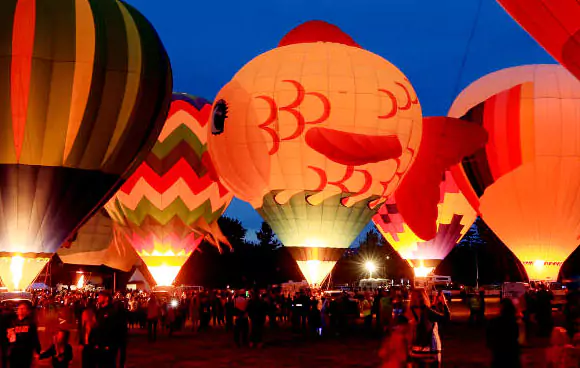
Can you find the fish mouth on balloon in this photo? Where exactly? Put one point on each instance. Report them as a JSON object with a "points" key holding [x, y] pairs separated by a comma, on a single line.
{"points": [[353, 149]]}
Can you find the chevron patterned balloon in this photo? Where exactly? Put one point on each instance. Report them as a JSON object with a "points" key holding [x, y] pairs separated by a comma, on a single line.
{"points": [[174, 198]]}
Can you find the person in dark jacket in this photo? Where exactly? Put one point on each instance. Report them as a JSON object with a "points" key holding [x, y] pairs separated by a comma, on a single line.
{"points": [[23, 338], [107, 333], [6, 317], [257, 311], [60, 351], [122, 320], [502, 337]]}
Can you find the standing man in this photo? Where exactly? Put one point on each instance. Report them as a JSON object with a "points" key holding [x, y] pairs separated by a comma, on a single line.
{"points": [[23, 338], [241, 324], [482, 303], [107, 332]]}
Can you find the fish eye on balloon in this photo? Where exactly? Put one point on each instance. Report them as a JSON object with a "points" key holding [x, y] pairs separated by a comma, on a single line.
{"points": [[218, 117]]}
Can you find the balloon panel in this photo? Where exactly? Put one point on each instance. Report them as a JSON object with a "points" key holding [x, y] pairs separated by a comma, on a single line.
{"points": [[527, 177], [177, 178], [42, 205], [98, 243], [553, 24], [327, 225]]}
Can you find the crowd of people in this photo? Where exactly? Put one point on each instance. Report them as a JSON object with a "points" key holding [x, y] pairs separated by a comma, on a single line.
{"points": [[408, 320]]}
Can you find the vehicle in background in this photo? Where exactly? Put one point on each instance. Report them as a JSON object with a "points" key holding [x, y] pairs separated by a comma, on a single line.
{"points": [[291, 288], [492, 290], [514, 290], [11, 300], [374, 284], [163, 294], [433, 283], [559, 292], [189, 288], [451, 291]]}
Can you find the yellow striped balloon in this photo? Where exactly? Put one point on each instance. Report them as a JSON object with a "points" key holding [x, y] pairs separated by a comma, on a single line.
{"points": [[84, 90]]}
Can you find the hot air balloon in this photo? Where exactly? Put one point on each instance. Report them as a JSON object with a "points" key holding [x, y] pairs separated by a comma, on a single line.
{"points": [[555, 25], [99, 243], [455, 217], [317, 132], [84, 89], [526, 181], [173, 200]]}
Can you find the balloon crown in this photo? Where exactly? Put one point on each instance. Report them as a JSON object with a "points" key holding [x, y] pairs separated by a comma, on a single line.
{"points": [[317, 31]]}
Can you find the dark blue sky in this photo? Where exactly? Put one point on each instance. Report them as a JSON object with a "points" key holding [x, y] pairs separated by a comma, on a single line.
{"points": [[441, 45]]}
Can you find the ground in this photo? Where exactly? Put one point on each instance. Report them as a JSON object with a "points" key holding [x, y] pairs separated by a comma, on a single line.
{"points": [[463, 346]]}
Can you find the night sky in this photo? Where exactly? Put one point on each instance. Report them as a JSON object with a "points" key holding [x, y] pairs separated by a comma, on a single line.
{"points": [[441, 46]]}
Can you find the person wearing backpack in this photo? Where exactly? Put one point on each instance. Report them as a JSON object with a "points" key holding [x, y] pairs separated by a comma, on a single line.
{"points": [[425, 349]]}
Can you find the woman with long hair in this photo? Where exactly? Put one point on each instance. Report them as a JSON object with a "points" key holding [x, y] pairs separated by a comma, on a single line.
{"points": [[87, 338], [425, 350]]}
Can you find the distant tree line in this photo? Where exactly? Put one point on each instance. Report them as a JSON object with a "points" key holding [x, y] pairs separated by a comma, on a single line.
{"points": [[266, 262]]}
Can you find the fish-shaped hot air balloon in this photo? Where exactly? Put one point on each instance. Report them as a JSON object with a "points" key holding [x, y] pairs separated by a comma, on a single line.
{"points": [[317, 132]]}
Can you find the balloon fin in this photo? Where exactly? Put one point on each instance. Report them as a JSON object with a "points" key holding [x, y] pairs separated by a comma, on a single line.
{"points": [[212, 233], [445, 142]]}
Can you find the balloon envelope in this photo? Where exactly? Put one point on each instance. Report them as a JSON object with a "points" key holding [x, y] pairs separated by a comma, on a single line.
{"points": [[84, 89], [174, 198], [526, 181], [98, 243], [455, 217]]}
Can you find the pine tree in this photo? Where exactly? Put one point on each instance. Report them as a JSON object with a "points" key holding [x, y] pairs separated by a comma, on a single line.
{"points": [[266, 237]]}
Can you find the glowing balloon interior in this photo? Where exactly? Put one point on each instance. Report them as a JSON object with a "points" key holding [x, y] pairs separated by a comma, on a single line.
{"points": [[526, 181], [315, 271], [19, 271]]}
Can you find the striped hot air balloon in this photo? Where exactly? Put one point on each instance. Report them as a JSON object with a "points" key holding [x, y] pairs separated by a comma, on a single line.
{"points": [[174, 198], [84, 89], [455, 217], [525, 183]]}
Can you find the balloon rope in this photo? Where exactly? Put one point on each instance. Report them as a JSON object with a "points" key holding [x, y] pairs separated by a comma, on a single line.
{"points": [[469, 40]]}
